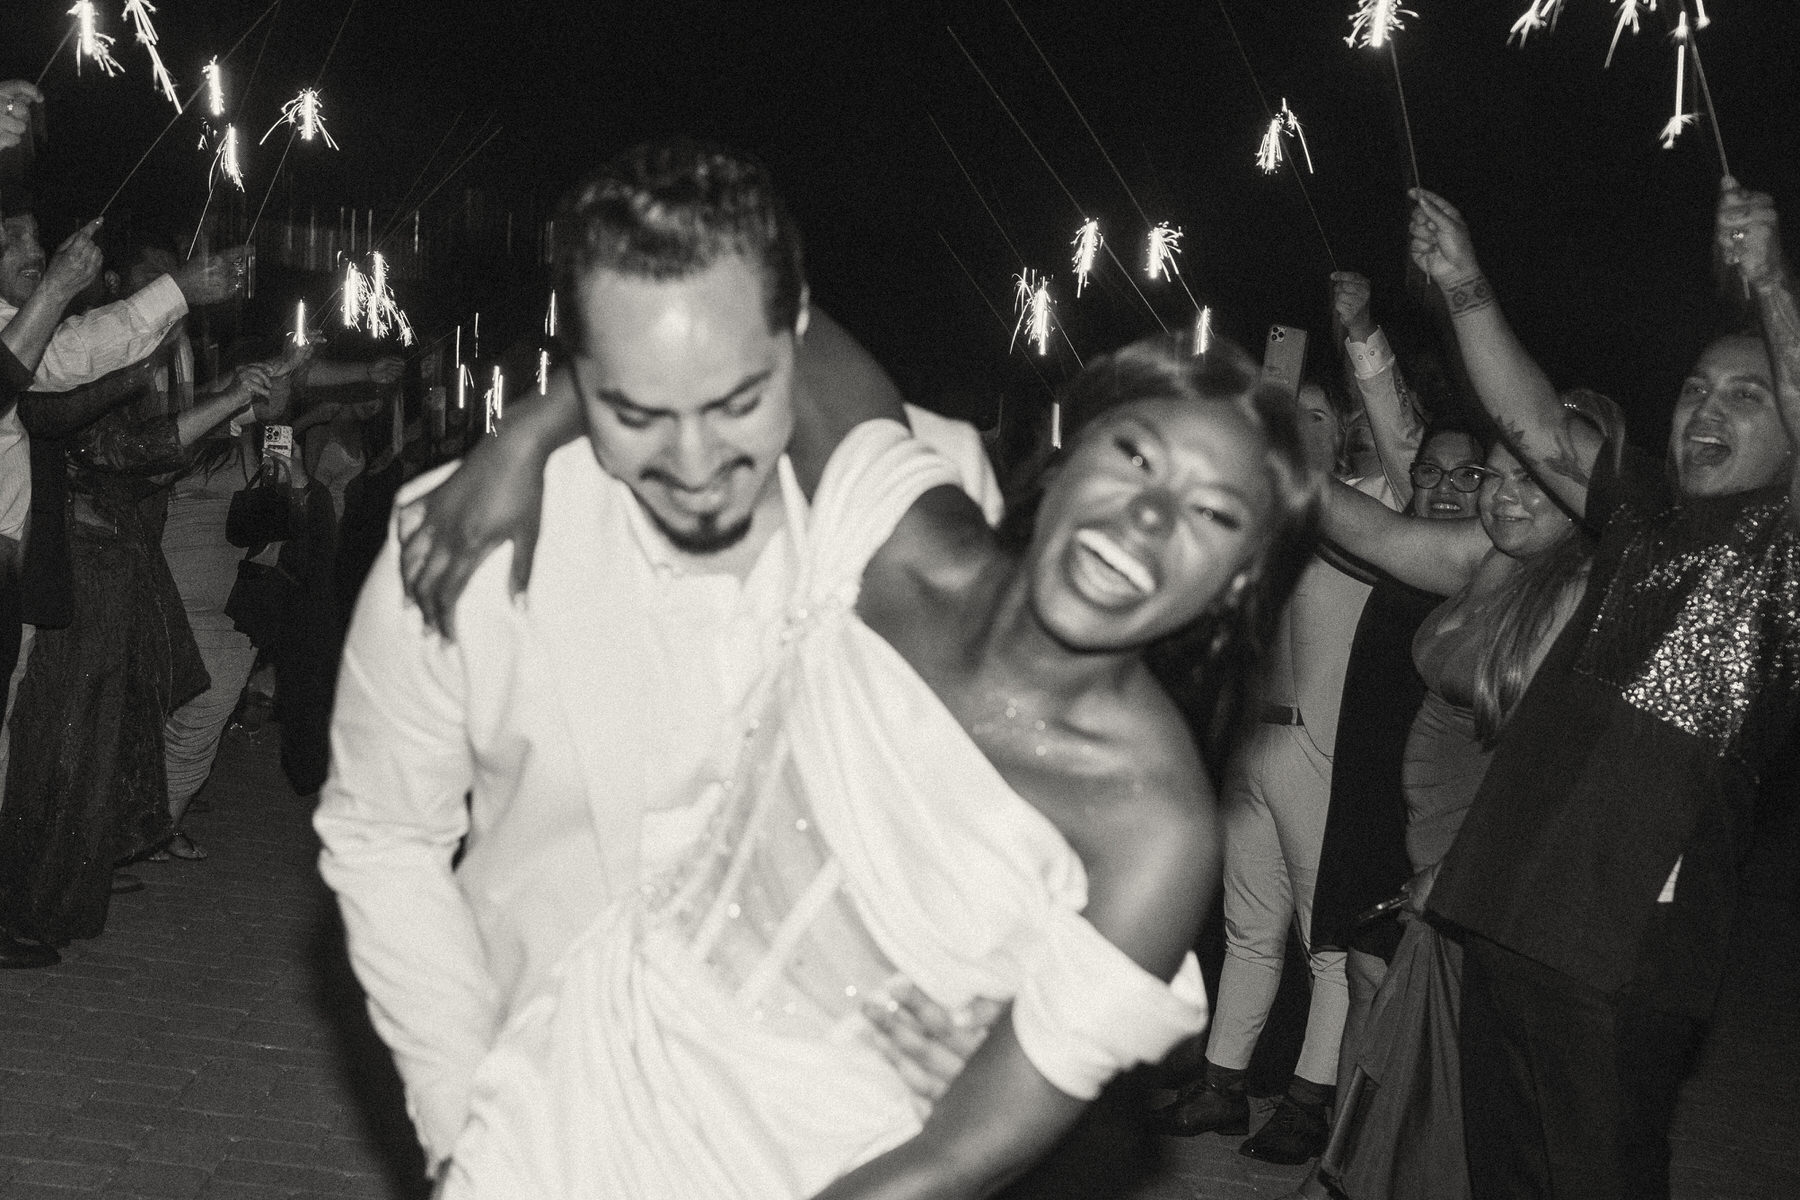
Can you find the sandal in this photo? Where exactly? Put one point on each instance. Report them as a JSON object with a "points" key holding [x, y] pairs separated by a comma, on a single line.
{"points": [[181, 846]]}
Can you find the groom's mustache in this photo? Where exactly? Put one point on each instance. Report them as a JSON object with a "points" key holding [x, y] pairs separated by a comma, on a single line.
{"points": [[658, 475]]}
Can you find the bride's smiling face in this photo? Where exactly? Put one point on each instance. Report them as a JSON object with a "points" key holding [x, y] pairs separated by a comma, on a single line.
{"points": [[1161, 509]]}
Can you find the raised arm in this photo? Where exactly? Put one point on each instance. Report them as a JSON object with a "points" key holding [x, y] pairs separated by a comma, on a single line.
{"points": [[72, 268], [1394, 420], [496, 495], [1513, 389], [1436, 556], [1749, 235]]}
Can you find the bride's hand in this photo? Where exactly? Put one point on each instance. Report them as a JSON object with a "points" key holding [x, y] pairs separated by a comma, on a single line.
{"points": [[926, 1042]]}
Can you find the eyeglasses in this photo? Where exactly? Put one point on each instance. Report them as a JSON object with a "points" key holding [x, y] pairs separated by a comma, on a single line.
{"points": [[1426, 476]]}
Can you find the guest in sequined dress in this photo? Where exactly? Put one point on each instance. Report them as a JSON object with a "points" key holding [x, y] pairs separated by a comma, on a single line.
{"points": [[1594, 878]]}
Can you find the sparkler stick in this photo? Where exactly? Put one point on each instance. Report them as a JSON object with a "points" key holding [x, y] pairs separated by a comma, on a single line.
{"points": [[1712, 114], [138, 13], [543, 372], [1056, 424], [1680, 120], [215, 88], [1412, 152], [1087, 245], [56, 53], [1160, 249], [550, 317], [1539, 15]]}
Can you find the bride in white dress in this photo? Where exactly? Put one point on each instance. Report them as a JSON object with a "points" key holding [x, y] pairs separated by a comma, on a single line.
{"points": [[962, 777]]}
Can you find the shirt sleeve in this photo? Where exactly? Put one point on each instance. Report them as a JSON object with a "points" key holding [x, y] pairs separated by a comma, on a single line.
{"points": [[958, 442], [115, 335], [391, 818]]}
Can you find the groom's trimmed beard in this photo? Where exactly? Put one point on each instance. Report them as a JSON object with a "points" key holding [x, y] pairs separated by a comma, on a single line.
{"points": [[706, 536]]}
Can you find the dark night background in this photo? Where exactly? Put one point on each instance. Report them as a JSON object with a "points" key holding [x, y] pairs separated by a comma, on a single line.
{"points": [[1597, 238]]}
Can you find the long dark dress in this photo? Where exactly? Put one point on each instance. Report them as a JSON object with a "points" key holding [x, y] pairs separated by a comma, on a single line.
{"points": [[1402, 1136], [86, 786]]}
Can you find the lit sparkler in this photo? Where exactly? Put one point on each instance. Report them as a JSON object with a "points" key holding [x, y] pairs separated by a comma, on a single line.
{"points": [[1541, 14], [1630, 13], [496, 400], [550, 317], [1203, 331], [1087, 247], [354, 287], [1032, 295], [138, 13], [1160, 249], [543, 372], [377, 297], [1282, 124], [1701, 20], [226, 163], [1680, 120], [215, 88], [90, 42], [1375, 21], [304, 114], [300, 323]]}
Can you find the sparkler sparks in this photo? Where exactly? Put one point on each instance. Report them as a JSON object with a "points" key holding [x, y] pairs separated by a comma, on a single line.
{"points": [[138, 13], [543, 372], [90, 42], [300, 323], [1701, 20], [1680, 120], [304, 114], [1160, 249], [1282, 124], [354, 286], [550, 317], [226, 163], [215, 88], [1375, 21], [1032, 295], [1541, 14], [1630, 13], [1087, 246], [1203, 331]]}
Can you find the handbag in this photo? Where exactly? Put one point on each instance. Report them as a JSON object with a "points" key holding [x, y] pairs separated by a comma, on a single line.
{"points": [[260, 513], [258, 602]]}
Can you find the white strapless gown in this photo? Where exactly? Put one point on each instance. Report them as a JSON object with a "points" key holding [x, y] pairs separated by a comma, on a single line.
{"points": [[705, 1040]]}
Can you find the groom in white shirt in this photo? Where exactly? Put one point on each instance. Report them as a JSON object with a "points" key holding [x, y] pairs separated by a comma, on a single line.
{"points": [[536, 739]]}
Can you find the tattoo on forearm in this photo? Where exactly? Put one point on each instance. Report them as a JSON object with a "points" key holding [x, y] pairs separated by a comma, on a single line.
{"points": [[1560, 457], [1469, 295]]}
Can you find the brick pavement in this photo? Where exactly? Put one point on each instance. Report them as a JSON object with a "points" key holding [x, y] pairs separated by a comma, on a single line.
{"points": [[212, 1046]]}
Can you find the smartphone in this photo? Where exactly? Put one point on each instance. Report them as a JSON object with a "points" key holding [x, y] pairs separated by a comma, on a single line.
{"points": [[278, 441], [1376, 911], [1284, 358]]}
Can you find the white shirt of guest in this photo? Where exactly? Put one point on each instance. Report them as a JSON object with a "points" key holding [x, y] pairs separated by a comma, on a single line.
{"points": [[83, 348], [535, 742]]}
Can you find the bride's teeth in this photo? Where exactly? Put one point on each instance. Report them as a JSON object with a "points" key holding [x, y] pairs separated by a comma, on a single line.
{"points": [[1118, 558]]}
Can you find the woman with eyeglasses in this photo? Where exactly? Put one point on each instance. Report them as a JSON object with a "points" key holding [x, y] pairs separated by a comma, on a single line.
{"points": [[1511, 576]]}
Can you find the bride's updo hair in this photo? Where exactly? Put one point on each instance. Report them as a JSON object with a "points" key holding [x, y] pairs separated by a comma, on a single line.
{"points": [[1209, 667]]}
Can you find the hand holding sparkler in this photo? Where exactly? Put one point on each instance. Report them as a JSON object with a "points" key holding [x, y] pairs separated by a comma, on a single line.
{"points": [[1747, 232], [16, 99], [1441, 245], [213, 278], [75, 265], [1350, 294], [385, 371]]}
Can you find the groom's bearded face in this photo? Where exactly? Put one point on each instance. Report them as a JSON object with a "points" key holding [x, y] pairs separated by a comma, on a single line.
{"points": [[688, 395]]}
